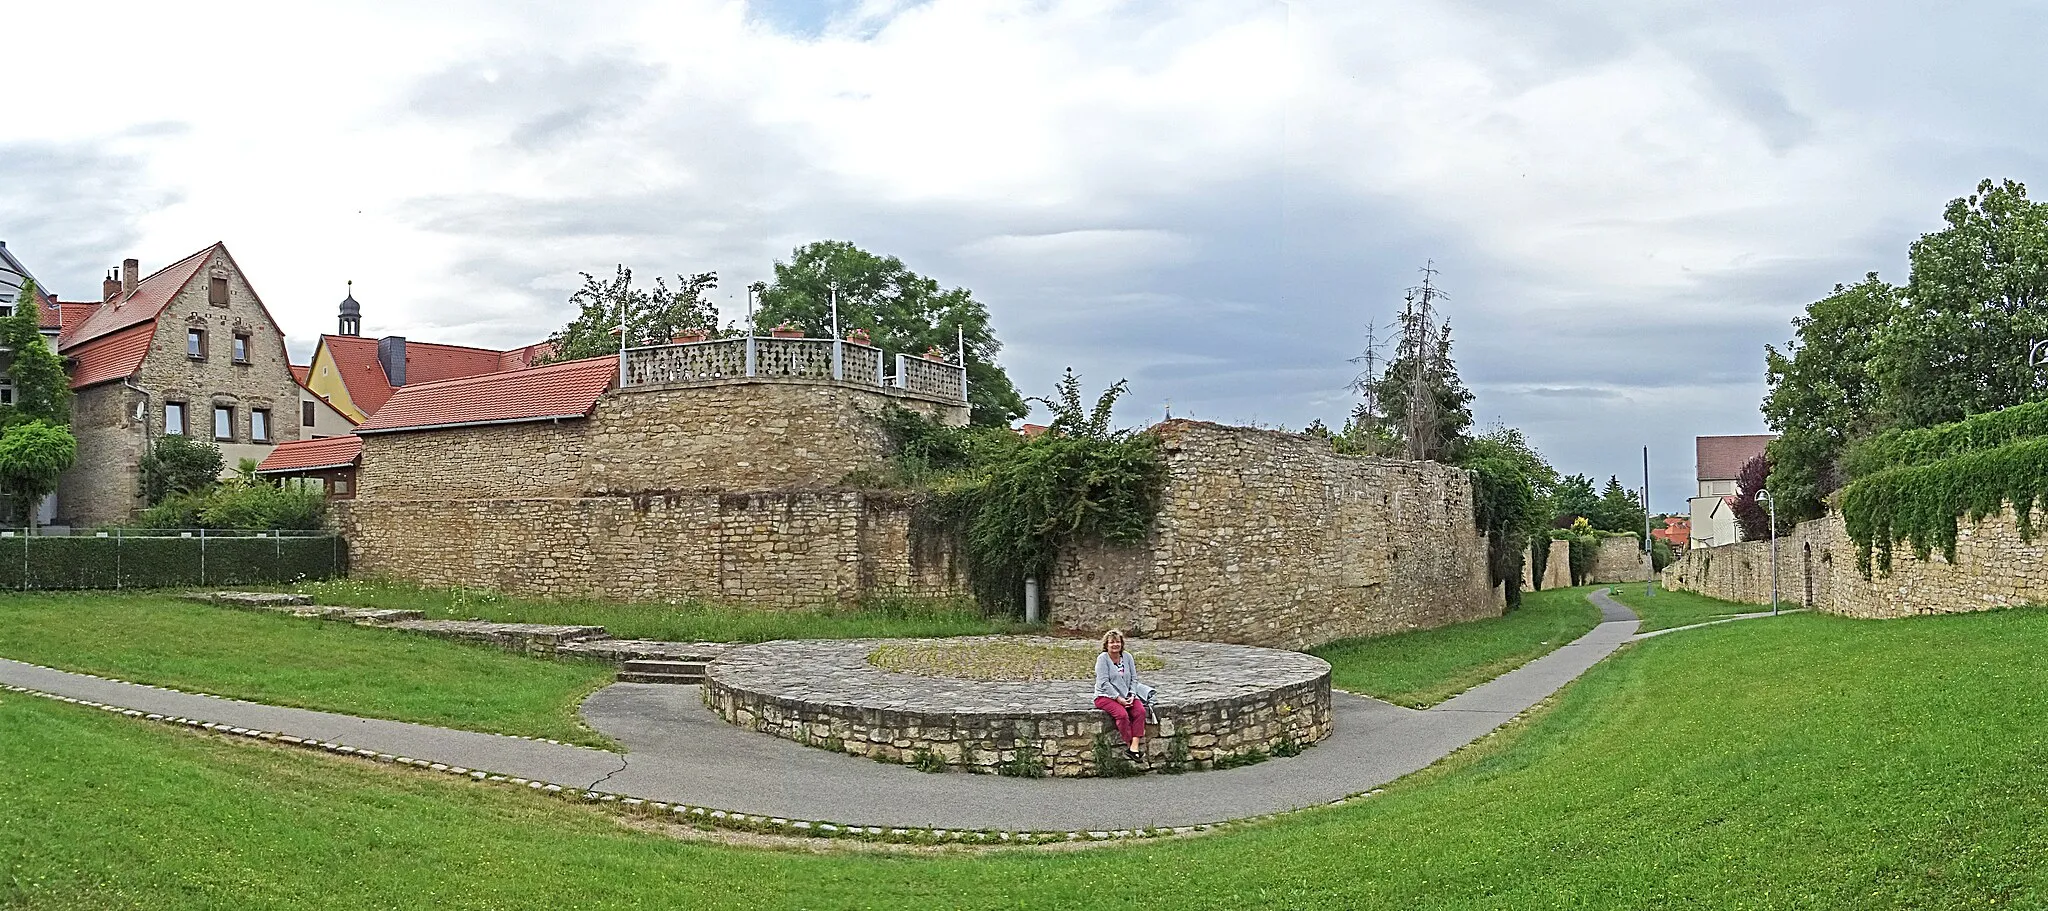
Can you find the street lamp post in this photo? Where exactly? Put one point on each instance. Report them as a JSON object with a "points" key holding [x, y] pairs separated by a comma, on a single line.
{"points": [[1765, 496]]}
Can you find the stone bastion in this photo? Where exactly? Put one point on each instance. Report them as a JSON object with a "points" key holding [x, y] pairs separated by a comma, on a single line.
{"points": [[1218, 704]]}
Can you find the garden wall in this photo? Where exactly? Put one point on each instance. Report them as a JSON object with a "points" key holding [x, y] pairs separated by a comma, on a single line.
{"points": [[1273, 539], [1619, 559], [768, 548], [1557, 568], [1817, 568]]}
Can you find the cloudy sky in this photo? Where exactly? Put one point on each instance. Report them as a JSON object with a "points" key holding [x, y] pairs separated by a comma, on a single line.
{"points": [[1626, 201]]}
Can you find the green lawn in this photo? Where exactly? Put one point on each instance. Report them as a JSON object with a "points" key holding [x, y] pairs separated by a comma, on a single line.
{"points": [[686, 622], [1425, 667], [315, 664], [1665, 610], [1814, 762]]}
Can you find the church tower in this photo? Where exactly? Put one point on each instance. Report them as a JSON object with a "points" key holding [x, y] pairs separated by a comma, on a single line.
{"points": [[351, 313]]}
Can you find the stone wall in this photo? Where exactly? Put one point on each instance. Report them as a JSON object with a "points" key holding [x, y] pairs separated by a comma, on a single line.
{"points": [[728, 435], [1557, 568], [1273, 539], [771, 548], [102, 487], [1619, 559], [1817, 568]]}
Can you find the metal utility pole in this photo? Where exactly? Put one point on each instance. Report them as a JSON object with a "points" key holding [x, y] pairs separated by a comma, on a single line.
{"points": [[1768, 500], [1649, 546]]}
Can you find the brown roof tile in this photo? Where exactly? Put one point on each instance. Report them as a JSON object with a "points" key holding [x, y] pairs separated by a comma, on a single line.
{"points": [[110, 357], [306, 455], [1722, 458], [564, 390]]}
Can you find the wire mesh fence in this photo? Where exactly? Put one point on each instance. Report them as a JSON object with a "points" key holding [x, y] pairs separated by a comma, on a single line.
{"points": [[165, 559]]}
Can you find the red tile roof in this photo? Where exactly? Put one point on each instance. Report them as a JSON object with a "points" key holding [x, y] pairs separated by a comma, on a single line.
{"points": [[110, 357], [522, 358], [308, 455], [302, 373], [355, 361], [564, 390], [1722, 458], [72, 313], [139, 306]]}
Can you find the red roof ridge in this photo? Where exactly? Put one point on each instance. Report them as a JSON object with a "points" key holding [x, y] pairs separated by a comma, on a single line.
{"points": [[110, 317], [307, 455], [565, 390]]}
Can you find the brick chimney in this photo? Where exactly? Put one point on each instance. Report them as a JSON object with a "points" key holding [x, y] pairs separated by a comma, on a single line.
{"points": [[110, 287], [391, 353], [131, 275]]}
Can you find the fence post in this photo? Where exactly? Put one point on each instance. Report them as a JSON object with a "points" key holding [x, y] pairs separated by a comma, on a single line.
{"points": [[902, 379], [202, 556], [750, 352]]}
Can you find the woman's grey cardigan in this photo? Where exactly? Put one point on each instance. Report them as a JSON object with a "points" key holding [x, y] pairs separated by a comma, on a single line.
{"points": [[1114, 681]]}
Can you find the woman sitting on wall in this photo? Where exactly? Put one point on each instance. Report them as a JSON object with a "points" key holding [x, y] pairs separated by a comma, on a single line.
{"points": [[1117, 690]]}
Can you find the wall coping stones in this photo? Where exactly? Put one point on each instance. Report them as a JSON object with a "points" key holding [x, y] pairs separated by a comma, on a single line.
{"points": [[1216, 702]]}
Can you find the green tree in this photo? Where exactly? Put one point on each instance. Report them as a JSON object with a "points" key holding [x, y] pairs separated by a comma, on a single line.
{"points": [[1619, 509], [1422, 383], [33, 453], [1978, 294], [1509, 482], [42, 391], [1824, 391], [179, 465], [1573, 497], [651, 315], [901, 310]]}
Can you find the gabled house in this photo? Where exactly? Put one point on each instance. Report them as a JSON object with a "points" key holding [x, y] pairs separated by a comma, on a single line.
{"points": [[327, 464], [355, 376], [187, 350], [1720, 461]]}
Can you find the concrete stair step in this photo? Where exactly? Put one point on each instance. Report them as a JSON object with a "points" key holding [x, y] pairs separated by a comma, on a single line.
{"points": [[643, 677], [658, 666]]}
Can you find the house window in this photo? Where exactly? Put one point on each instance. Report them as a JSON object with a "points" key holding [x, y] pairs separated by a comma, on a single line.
{"points": [[224, 422], [306, 414], [195, 344], [6, 305], [259, 425], [6, 390], [174, 419], [217, 291], [241, 347], [340, 486]]}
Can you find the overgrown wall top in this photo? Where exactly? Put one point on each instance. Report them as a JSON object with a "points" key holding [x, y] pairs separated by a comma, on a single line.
{"points": [[1994, 567], [1272, 539]]}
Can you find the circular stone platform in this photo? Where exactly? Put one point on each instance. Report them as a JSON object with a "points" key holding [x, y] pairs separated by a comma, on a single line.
{"points": [[1218, 704]]}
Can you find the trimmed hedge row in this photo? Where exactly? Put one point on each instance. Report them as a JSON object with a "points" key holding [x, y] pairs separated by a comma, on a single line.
{"points": [[34, 562], [1902, 448]]}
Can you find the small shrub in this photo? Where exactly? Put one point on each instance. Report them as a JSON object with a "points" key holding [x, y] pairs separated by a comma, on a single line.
{"points": [[1110, 759], [1287, 745], [1176, 755], [1023, 762], [925, 760], [1253, 756]]}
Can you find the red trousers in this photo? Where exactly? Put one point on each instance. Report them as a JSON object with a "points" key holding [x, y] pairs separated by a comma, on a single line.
{"points": [[1130, 719]]}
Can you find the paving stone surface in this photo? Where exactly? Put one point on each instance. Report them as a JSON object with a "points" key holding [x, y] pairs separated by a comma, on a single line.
{"points": [[623, 650]]}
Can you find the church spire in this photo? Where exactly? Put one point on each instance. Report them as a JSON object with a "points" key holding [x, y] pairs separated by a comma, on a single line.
{"points": [[351, 313]]}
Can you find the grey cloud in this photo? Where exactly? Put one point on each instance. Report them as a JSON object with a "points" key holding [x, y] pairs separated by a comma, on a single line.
{"points": [[539, 98], [71, 209]]}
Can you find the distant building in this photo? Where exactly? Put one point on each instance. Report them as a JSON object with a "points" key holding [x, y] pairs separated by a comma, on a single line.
{"points": [[327, 464], [1677, 532], [188, 350], [1720, 461], [355, 376]]}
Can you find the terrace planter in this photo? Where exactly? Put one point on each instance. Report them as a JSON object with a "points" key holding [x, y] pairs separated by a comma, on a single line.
{"points": [[860, 337], [786, 332], [689, 336]]}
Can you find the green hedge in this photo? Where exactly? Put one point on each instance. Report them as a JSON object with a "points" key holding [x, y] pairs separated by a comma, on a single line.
{"points": [[57, 562], [1903, 448], [1921, 503]]}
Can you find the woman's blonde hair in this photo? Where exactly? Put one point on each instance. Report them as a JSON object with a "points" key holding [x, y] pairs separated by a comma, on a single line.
{"points": [[1116, 634]]}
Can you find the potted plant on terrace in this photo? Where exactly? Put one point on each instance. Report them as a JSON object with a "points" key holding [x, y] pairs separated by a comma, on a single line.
{"points": [[935, 353], [859, 337], [689, 336], [786, 331]]}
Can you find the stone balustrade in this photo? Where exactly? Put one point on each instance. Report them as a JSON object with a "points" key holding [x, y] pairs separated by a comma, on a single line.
{"points": [[790, 358]]}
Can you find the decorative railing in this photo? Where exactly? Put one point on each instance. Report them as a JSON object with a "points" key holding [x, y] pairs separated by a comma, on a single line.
{"points": [[805, 358]]}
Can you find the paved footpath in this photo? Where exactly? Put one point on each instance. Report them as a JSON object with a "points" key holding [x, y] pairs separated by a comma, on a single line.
{"points": [[678, 752]]}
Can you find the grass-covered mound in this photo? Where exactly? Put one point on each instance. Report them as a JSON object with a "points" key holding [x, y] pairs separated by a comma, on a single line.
{"points": [[1804, 762]]}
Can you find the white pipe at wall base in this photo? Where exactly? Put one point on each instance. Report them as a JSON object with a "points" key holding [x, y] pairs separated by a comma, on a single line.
{"points": [[1031, 600]]}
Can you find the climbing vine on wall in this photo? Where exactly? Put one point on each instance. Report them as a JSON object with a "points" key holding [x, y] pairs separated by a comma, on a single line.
{"points": [[1920, 503], [1899, 448], [1015, 502]]}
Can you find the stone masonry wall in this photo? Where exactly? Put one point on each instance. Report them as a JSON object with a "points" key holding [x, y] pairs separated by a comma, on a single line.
{"points": [[101, 488], [1619, 560], [1557, 568], [1273, 539], [773, 549], [730, 435], [1817, 568]]}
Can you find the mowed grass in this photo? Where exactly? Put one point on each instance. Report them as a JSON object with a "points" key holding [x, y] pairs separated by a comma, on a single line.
{"points": [[1666, 610], [1813, 762], [156, 638], [684, 622], [1425, 667]]}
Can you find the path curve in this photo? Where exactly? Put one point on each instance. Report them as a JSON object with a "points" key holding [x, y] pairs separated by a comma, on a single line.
{"points": [[679, 752]]}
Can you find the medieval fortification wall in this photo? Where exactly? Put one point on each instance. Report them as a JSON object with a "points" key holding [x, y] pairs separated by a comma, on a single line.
{"points": [[1273, 539], [1994, 567]]}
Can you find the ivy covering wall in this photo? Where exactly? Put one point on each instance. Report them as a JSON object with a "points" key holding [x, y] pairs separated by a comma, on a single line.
{"points": [[1913, 486]]}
